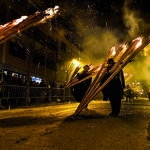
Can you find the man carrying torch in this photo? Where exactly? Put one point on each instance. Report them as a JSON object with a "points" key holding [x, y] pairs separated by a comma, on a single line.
{"points": [[79, 90], [114, 89]]}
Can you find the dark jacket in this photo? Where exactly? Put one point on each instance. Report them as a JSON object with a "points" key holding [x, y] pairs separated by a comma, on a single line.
{"points": [[79, 90], [115, 86]]}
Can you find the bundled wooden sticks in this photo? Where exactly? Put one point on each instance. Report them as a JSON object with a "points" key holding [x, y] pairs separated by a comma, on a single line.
{"points": [[102, 72], [11, 29], [72, 76], [136, 46], [91, 73]]}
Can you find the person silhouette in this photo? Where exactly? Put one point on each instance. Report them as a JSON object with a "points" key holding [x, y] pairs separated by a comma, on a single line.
{"points": [[79, 90]]}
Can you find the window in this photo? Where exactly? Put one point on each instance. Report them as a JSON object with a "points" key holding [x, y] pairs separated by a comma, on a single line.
{"points": [[17, 50]]}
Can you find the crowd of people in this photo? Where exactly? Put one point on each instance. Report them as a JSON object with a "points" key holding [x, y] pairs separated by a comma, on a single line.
{"points": [[22, 81], [13, 86]]}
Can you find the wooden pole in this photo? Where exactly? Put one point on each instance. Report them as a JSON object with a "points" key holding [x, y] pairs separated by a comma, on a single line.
{"points": [[91, 73], [97, 82], [76, 81]]}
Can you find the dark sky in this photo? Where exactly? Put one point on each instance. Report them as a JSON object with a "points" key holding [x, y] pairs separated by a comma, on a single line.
{"points": [[125, 18], [113, 14]]}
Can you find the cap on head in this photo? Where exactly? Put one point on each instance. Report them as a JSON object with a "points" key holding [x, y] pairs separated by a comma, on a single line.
{"points": [[110, 61], [86, 66]]}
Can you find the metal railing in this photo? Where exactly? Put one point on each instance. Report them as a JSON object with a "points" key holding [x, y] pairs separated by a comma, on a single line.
{"points": [[18, 95], [12, 91], [15, 95]]}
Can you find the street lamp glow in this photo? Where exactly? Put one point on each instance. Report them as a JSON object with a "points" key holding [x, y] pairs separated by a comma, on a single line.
{"points": [[76, 63]]}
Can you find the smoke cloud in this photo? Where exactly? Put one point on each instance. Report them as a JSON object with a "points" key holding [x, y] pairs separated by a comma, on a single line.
{"points": [[137, 26], [95, 44]]}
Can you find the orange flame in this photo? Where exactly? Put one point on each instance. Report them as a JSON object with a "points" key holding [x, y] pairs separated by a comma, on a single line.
{"points": [[50, 12], [114, 51], [3, 26], [17, 21], [139, 39], [100, 65], [139, 43], [124, 46]]}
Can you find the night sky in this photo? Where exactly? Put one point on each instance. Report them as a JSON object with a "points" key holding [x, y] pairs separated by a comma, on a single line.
{"points": [[123, 16]]}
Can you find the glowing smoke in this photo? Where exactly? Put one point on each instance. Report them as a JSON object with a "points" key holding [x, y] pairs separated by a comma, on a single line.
{"points": [[130, 21], [95, 44], [140, 68]]}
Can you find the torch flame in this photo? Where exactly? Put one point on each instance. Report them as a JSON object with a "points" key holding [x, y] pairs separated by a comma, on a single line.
{"points": [[114, 51], [52, 11], [139, 43], [17, 21], [100, 65], [3, 26], [124, 46], [139, 39]]}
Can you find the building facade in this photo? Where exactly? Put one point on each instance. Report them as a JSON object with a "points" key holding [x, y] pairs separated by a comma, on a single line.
{"points": [[37, 52]]}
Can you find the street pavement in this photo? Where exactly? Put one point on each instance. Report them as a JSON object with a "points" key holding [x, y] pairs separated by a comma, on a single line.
{"points": [[50, 126]]}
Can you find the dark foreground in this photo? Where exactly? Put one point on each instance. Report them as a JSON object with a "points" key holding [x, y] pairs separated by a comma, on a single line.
{"points": [[50, 127]]}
